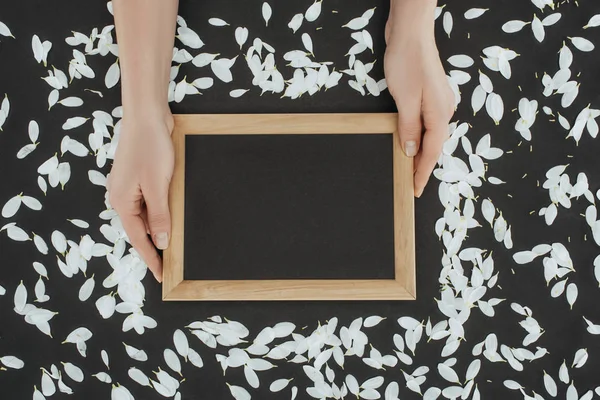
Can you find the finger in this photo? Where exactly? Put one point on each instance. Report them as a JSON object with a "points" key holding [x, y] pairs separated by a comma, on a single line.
{"points": [[433, 141], [144, 216], [159, 217], [410, 127], [136, 231]]}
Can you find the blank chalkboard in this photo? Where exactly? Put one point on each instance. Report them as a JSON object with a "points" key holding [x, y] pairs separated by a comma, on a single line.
{"points": [[298, 206], [289, 207]]}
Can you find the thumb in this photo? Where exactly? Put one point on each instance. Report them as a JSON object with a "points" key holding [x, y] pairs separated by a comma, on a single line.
{"points": [[159, 217], [410, 130]]}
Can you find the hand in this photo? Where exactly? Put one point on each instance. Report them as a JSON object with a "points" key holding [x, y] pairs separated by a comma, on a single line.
{"points": [[417, 82], [138, 184]]}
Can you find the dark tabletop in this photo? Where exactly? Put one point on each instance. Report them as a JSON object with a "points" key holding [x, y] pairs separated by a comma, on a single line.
{"points": [[531, 320]]}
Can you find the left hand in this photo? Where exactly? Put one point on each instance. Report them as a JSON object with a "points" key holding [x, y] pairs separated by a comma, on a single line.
{"points": [[417, 81]]}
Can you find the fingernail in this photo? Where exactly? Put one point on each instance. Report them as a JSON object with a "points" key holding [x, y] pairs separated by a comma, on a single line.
{"points": [[419, 193], [410, 148], [161, 240]]}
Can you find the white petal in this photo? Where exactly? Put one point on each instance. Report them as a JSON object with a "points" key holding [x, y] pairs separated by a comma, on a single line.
{"points": [[52, 99], [78, 335], [504, 66], [558, 288], [33, 130], [48, 387], [448, 373], [296, 22], [138, 355], [475, 13], [582, 44], [267, 12], [461, 61], [447, 23], [279, 385], [74, 372], [105, 360], [189, 38], [79, 223], [112, 75], [203, 59], [307, 42], [172, 360], [538, 29], [357, 24], [12, 362], [38, 50], [473, 369], [488, 211], [97, 178], [550, 385], [86, 289], [237, 93], [551, 19], [251, 377], [12, 206], [478, 99], [572, 293], [372, 321], [495, 107], [593, 22], [195, 358], [4, 31], [313, 12], [138, 376], [221, 68], [217, 22], [580, 358], [119, 393], [59, 241], [372, 86], [512, 384], [74, 122], [16, 233], [103, 377], [241, 35], [432, 393], [551, 213], [572, 392], [181, 343], [203, 83], [26, 150], [239, 393]]}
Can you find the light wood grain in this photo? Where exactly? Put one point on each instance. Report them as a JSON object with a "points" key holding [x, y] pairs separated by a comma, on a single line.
{"points": [[300, 289], [173, 256], [214, 124], [403, 287]]}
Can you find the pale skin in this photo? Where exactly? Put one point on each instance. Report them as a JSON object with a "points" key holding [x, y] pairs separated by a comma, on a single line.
{"points": [[138, 184]]}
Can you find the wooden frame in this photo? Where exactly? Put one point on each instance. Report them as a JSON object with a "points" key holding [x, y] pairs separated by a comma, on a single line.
{"points": [[403, 287]]}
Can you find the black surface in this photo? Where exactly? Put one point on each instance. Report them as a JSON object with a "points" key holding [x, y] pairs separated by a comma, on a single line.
{"points": [[564, 328], [289, 207]]}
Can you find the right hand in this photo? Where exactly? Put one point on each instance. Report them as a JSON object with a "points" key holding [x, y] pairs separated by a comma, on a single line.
{"points": [[138, 184]]}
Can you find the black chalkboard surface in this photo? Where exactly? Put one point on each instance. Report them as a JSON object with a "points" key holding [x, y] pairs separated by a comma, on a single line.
{"points": [[291, 206]]}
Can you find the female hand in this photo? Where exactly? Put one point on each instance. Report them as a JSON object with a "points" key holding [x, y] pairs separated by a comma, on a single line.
{"points": [[138, 184], [417, 82]]}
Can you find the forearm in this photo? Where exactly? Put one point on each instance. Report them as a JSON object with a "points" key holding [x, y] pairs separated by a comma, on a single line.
{"points": [[145, 35], [412, 17]]}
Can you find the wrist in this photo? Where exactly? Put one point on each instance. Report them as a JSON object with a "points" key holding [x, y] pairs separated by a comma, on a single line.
{"points": [[145, 112]]}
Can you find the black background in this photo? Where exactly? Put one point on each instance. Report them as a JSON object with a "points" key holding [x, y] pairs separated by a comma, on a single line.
{"points": [[564, 328]]}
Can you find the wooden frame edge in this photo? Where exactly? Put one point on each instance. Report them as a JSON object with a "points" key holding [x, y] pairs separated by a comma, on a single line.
{"points": [[289, 290], [175, 288]]}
